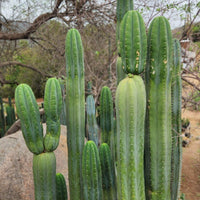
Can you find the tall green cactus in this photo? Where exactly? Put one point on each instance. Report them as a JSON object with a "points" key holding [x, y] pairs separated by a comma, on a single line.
{"points": [[2, 119], [44, 173], [120, 72], [176, 121], [91, 172], [106, 115], [52, 108], [108, 173], [92, 127], [158, 119], [61, 188], [130, 113], [122, 7], [133, 42], [28, 112], [75, 109]]}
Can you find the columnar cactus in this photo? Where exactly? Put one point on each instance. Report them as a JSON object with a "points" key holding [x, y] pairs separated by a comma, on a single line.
{"points": [[120, 72], [44, 173], [61, 188], [92, 127], [44, 163], [52, 107], [28, 112], [133, 43], [158, 120], [176, 121], [10, 111], [106, 115], [75, 109], [91, 172], [130, 113], [108, 173]]}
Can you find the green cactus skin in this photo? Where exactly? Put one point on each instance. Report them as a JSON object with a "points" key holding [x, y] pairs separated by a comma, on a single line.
{"points": [[92, 127], [176, 121], [158, 119], [133, 43], [75, 110], [28, 112], [61, 188], [120, 72], [130, 104], [108, 173], [91, 172], [106, 115], [2, 119], [52, 108], [44, 173], [122, 7]]}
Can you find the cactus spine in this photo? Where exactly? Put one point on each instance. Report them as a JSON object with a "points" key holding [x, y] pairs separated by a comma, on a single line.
{"points": [[91, 172], [108, 173], [28, 112], [120, 72], [61, 189], [133, 43], [176, 121], [52, 107], [106, 115], [44, 172], [92, 127], [75, 109], [158, 119], [130, 113]]}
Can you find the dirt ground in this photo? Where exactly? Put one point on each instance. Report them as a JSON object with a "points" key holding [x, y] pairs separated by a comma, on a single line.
{"points": [[190, 184]]}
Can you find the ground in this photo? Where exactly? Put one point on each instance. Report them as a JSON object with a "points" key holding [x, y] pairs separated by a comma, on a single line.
{"points": [[190, 184]]}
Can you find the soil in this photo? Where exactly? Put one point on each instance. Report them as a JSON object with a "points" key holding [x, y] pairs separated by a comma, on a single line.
{"points": [[190, 183]]}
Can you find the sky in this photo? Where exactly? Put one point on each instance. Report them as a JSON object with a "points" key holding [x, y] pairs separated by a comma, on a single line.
{"points": [[11, 9]]}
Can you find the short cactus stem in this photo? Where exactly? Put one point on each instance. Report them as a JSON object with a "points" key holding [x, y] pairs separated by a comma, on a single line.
{"points": [[108, 173], [61, 188], [158, 119], [130, 115], [91, 172], [120, 72]]}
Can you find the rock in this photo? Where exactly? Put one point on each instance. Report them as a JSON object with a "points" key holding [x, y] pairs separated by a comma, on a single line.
{"points": [[16, 178]]}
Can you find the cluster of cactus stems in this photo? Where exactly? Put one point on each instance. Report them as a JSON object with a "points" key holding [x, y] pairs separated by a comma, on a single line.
{"points": [[44, 160], [143, 160]]}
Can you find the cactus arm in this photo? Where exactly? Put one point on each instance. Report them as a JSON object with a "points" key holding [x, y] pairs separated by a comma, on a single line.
{"points": [[120, 72], [28, 112], [75, 109], [158, 119], [130, 113], [52, 107], [133, 42], [91, 172], [44, 173], [176, 122]]}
